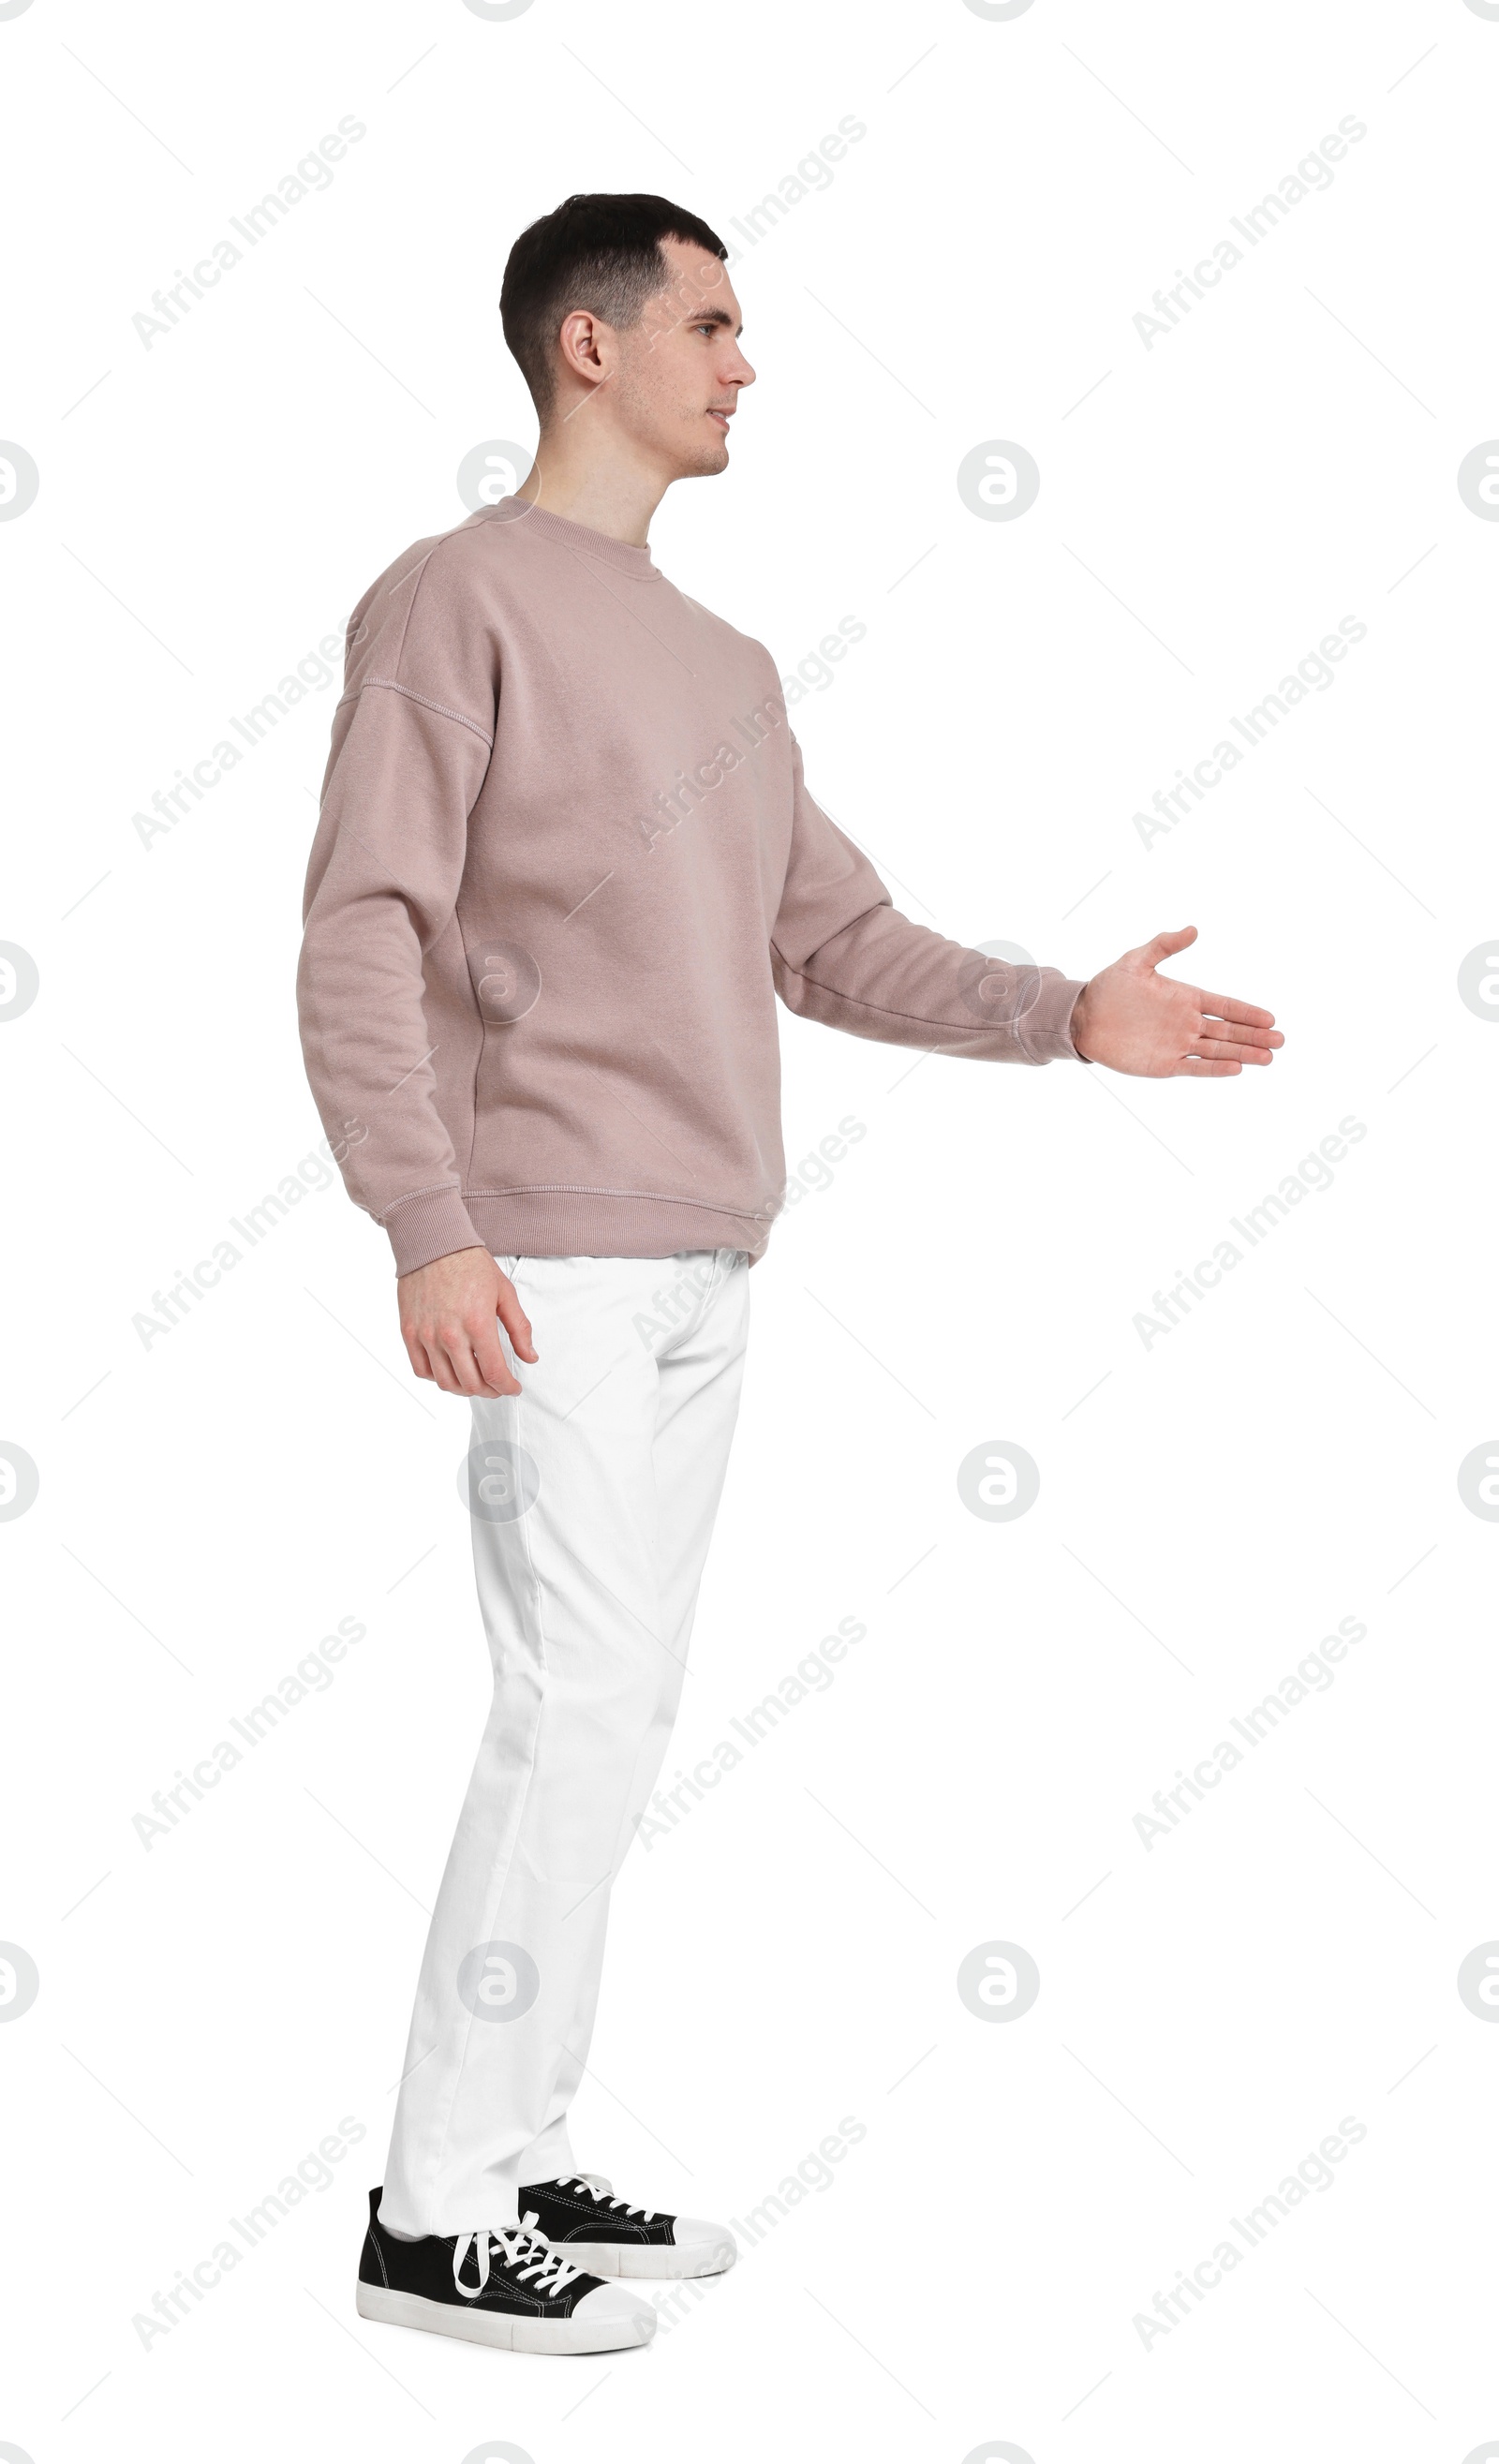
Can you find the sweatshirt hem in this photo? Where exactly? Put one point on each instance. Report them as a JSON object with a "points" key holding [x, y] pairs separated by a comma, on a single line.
{"points": [[604, 1223]]}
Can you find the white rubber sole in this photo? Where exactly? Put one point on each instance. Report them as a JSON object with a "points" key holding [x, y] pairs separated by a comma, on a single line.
{"points": [[512, 2335], [655, 2259]]}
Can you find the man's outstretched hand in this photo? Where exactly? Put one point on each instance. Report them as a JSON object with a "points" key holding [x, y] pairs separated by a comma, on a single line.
{"points": [[1150, 1026], [448, 1321]]}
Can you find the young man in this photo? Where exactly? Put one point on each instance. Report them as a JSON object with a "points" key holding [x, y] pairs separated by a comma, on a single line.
{"points": [[565, 862]]}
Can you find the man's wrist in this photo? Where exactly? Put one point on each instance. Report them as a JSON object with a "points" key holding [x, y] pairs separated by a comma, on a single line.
{"points": [[1077, 1022]]}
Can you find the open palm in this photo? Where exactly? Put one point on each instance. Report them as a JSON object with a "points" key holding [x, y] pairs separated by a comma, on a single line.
{"points": [[1150, 1026]]}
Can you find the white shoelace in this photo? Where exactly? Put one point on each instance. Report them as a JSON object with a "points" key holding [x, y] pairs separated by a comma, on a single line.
{"points": [[532, 2256], [599, 2190]]}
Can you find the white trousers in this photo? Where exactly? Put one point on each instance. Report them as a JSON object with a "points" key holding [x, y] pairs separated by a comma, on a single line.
{"points": [[592, 1496]]}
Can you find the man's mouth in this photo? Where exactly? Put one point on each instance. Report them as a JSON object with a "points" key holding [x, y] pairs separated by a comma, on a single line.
{"points": [[722, 417]]}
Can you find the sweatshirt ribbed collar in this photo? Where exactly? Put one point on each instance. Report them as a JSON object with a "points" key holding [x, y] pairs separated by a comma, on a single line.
{"points": [[577, 537]]}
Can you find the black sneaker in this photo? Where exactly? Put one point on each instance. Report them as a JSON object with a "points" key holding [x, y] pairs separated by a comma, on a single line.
{"points": [[579, 2215], [510, 2289]]}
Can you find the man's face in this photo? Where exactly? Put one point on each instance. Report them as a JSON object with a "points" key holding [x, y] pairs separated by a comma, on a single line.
{"points": [[678, 374]]}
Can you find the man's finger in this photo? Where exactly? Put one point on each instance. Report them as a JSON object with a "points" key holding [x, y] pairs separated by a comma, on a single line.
{"points": [[1262, 1038], [1165, 945], [1209, 1048], [490, 1362], [461, 1347], [453, 1359], [444, 1373], [516, 1323], [1238, 1013], [1190, 1067], [1231, 1031]]}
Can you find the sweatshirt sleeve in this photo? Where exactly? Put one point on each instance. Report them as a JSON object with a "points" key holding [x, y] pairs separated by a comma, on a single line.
{"points": [[841, 954], [411, 742]]}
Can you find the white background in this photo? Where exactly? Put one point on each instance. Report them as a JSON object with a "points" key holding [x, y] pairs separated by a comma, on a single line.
{"points": [[1212, 2006]]}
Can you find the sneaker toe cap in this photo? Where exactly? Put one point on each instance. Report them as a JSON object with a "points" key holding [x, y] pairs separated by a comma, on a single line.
{"points": [[705, 2240], [616, 2304]]}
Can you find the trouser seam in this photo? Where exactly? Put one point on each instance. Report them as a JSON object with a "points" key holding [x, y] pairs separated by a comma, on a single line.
{"points": [[694, 1324]]}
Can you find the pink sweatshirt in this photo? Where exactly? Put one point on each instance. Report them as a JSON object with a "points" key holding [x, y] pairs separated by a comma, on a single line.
{"points": [[564, 863]]}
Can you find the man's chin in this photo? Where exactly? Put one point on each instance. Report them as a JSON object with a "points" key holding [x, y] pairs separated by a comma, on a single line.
{"points": [[707, 461]]}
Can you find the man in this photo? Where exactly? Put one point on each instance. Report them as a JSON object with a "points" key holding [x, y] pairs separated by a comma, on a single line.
{"points": [[566, 860]]}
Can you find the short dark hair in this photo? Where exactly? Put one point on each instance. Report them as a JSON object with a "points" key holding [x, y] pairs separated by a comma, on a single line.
{"points": [[600, 253]]}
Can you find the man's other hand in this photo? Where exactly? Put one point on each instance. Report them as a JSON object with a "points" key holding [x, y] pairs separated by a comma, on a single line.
{"points": [[449, 1313]]}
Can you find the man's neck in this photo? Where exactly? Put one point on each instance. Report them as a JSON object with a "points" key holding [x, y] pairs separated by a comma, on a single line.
{"points": [[609, 494]]}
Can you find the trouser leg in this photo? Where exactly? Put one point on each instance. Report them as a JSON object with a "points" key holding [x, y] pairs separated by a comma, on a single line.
{"points": [[592, 1498], [701, 1370]]}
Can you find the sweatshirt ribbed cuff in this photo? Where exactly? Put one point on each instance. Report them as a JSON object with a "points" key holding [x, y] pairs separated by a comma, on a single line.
{"points": [[431, 1225], [1047, 1030]]}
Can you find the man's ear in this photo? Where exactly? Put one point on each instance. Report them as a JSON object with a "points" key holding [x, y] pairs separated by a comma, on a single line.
{"points": [[580, 338]]}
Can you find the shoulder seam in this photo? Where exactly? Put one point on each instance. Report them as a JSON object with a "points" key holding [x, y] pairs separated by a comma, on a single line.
{"points": [[443, 540], [391, 683]]}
